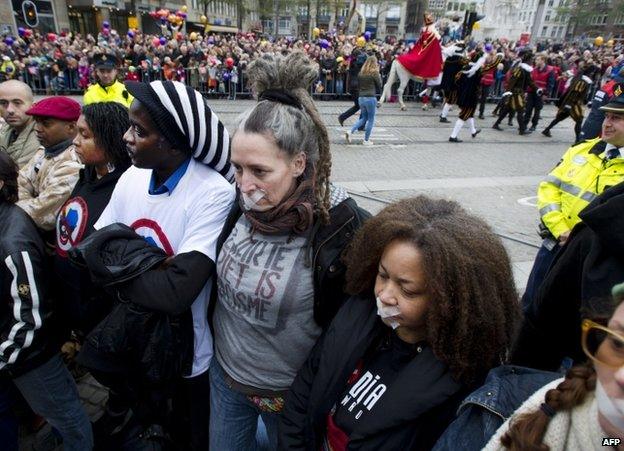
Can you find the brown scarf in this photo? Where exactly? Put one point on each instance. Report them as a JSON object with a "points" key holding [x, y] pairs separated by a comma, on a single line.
{"points": [[294, 215]]}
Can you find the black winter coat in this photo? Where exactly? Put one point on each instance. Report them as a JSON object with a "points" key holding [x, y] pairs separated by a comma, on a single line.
{"points": [[26, 340], [579, 280], [139, 335], [327, 245], [411, 415]]}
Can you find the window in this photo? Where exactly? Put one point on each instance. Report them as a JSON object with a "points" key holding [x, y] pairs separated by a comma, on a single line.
{"points": [[547, 17], [394, 12], [544, 31], [303, 10], [550, 2], [344, 12], [370, 11], [284, 23], [553, 32]]}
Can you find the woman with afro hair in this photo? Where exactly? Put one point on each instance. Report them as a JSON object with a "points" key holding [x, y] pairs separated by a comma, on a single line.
{"points": [[433, 308]]}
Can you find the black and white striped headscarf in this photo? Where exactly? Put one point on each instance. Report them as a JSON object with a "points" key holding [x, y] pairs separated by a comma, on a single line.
{"points": [[187, 121]]}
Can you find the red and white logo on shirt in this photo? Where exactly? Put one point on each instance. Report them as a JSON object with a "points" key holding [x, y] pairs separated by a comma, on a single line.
{"points": [[153, 234]]}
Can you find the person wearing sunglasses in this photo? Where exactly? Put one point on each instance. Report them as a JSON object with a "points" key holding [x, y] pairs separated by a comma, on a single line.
{"points": [[584, 410]]}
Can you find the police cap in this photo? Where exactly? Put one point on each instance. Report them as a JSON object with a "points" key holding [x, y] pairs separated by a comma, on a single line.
{"points": [[616, 104], [105, 60]]}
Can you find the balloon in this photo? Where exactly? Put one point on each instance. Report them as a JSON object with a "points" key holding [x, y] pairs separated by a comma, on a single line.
{"points": [[153, 14], [163, 20], [162, 40], [28, 32], [181, 14], [105, 31], [610, 42], [599, 40], [324, 43], [315, 32], [229, 62], [476, 26], [184, 8], [193, 36], [179, 36], [130, 34], [105, 24], [9, 41], [203, 19], [361, 41], [171, 18], [163, 13], [367, 35], [155, 42], [51, 37], [21, 31], [340, 59], [488, 47]]}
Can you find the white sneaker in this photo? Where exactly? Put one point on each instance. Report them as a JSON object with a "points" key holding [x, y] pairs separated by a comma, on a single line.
{"points": [[367, 143], [348, 137]]}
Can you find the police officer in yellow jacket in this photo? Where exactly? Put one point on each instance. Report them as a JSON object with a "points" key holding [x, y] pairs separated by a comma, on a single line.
{"points": [[107, 88], [584, 172]]}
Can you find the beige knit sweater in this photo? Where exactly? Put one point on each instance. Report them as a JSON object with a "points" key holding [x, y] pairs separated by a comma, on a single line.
{"points": [[574, 430]]}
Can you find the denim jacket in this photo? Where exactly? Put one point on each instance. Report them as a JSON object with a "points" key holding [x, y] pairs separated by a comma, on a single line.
{"points": [[486, 409]]}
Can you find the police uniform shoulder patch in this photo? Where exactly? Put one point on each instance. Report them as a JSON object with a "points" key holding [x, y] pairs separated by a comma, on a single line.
{"points": [[23, 289], [579, 159], [617, 91]]}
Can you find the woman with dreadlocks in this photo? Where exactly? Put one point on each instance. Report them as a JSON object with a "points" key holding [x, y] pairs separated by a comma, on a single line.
{"points": [[433, 309], [100, 147], [279, 275]]}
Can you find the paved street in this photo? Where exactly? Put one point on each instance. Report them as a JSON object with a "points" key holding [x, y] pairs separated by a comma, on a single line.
{"points": [[494, 175]]}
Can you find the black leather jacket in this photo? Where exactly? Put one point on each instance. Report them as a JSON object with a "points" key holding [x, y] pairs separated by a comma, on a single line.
{"points": [[327, 244], [149, 332], [25, 305]]}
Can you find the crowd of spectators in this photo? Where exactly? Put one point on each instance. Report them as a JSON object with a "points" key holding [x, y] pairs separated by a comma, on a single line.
{"points": [[215, 64]]}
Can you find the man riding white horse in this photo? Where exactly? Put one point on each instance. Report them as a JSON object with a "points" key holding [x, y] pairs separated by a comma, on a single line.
{"points": [[423, 63]]}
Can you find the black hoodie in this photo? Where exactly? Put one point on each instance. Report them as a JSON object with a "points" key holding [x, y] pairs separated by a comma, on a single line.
{"points": [[81, 305], [578, 282]]}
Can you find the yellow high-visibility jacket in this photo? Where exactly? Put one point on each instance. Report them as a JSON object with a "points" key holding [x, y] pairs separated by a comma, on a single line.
{"points": [[114, 93], [582, 174]]}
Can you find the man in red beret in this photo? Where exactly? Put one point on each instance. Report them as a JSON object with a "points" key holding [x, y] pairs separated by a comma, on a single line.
{"points": [[49, 177]]}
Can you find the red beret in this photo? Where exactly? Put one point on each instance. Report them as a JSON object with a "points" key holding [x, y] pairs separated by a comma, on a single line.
{"points": [[62, 108]]}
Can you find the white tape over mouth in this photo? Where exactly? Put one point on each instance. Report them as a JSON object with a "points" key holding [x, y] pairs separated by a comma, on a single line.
{"points": [[250, 201], [388, 313]]}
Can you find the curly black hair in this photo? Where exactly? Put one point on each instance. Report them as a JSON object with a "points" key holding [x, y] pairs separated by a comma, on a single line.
{"points": [[474, 310], [108, 122]]}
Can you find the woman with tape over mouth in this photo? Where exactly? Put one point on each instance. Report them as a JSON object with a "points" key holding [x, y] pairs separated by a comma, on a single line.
{"points": [[585, 409], [280, 277], [433, 309]]}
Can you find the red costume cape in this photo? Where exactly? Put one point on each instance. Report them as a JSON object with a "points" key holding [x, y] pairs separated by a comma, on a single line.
{"points": [[425, 59]]}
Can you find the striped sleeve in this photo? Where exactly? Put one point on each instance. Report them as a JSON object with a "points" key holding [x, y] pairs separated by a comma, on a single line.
{"points": [[24, 306]]}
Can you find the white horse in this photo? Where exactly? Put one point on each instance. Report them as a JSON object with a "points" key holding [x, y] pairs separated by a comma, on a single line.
{"points": [[397, 69]]}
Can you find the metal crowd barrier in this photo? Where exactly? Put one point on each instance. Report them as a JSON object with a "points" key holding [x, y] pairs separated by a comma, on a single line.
{"points": [[333, 86]]}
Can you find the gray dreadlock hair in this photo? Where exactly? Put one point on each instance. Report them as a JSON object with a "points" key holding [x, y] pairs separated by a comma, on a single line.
{"points": [[293, 130]]}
